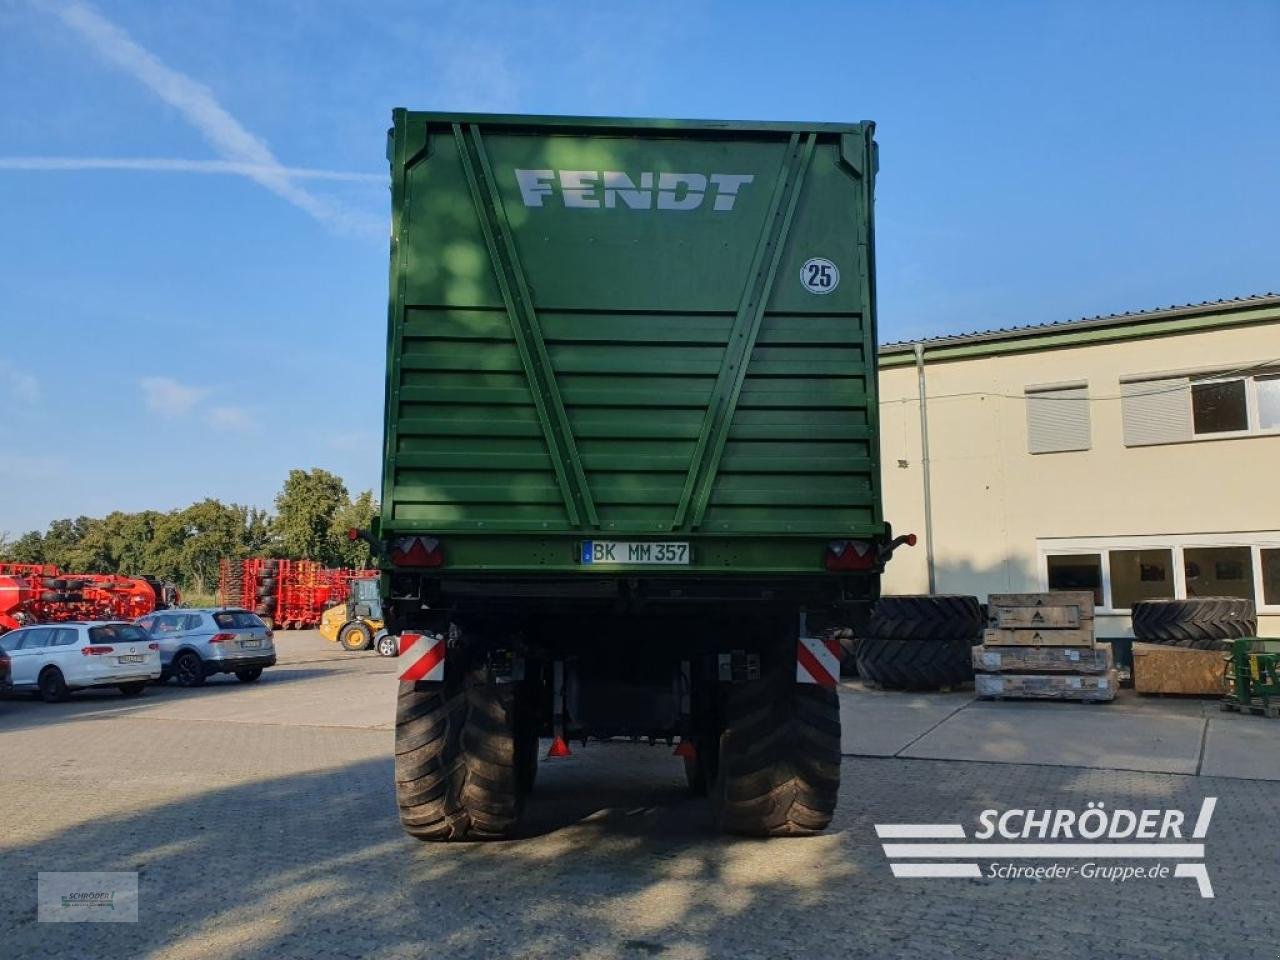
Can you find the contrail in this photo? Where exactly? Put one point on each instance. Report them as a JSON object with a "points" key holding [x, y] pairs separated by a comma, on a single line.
{"points": [[178, 165], [201, 109]]}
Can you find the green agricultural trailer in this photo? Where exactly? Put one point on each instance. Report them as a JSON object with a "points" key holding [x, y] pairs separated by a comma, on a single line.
{"points": [[631, 462]]}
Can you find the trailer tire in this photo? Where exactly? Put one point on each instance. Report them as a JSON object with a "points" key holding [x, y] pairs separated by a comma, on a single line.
{"points": [[778, 769], [915, 664], [1202, 623], [458, 772], [940, 617]]}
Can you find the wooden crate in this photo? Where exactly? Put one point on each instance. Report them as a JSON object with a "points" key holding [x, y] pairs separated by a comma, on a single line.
{"points": [[1162, 669], [1061, 686], [1001, 659], [1062, 618]]}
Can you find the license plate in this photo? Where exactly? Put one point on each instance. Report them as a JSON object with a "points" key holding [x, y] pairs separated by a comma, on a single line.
{"points": [[250, 643], [132, 659], [623, 552]]}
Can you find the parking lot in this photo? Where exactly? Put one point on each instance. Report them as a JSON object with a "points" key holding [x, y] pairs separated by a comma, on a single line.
{"points": [[261, 822]]}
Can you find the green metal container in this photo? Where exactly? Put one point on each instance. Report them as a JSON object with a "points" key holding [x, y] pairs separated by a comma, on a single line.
{"points": [[631, 330]]}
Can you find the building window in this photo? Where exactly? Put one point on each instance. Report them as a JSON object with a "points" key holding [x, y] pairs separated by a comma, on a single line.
{"points": [[1140, 575], [1080, 571], [1268, 390], [1219, 406], [1175, 409], [1057, 418], [1218, 572], [1134, 569], [1271, 577]]}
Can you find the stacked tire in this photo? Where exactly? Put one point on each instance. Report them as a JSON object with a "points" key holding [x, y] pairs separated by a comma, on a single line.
{"points": [[267, 591], [1197, 623], [920, 642]]}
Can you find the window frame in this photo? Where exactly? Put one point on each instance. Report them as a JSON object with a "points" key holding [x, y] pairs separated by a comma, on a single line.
{"points": [[1200, 377], [1177, 545]]}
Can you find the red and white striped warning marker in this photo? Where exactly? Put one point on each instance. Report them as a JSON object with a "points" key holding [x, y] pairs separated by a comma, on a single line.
{"points": [[818, 661], [425, 653]]}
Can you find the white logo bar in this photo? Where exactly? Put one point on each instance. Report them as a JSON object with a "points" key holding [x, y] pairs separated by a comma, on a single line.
{"points": [[920, 831], [967, 871], [943, 851]]}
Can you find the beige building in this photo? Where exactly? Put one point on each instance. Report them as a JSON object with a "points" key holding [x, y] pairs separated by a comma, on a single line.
{"points": [[1136, 455]]}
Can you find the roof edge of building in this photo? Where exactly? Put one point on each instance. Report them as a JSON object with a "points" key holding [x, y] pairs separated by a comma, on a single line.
{"points": [[1117, 326]]}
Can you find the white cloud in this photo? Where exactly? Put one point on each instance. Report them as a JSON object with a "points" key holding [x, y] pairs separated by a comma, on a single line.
{"points": [[19, 384], [230, 419], [179, 165], [201, 109], [170, 398]]}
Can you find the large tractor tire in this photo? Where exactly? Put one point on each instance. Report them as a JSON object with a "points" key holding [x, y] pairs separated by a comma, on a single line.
{"points": [[778, 769], [939, 617], [915, 664], [460, 770], [1202, 623]]}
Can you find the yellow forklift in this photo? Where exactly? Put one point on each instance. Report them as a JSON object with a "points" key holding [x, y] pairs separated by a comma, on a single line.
{"points": [[357, 624]]}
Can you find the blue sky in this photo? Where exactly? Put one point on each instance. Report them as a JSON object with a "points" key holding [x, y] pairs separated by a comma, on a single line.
{"points": [[170, 334]]}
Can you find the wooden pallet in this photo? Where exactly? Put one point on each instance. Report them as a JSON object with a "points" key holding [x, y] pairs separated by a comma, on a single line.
{"points": [[1055, 659], [1096, 688], [1271, 710], [1060, 618]]}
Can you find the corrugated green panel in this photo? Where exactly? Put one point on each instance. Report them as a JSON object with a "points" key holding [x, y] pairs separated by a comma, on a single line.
{"points": [[623, 260]]}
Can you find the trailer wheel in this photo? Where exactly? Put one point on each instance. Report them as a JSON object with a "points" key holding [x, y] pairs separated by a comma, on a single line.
{"points": [[457, 769], [355, 637], [915, 664], [1202, 623], [779, 758]]}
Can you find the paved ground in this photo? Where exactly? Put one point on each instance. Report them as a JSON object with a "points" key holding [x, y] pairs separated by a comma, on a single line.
{"points": [[261, 821]]}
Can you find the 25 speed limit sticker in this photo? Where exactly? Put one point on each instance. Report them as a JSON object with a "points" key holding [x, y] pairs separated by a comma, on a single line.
{"points": [[819, 275]]}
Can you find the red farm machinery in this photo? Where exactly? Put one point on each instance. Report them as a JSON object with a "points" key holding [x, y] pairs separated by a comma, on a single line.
{"points": [[43, 593], [287, 594]]}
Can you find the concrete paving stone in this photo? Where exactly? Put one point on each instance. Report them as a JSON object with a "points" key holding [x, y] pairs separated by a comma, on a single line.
{"points": [[1066, 734], [880, 723], [1242, 745]]}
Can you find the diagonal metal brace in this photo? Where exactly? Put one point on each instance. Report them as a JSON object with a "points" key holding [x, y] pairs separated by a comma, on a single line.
{"points": [[525, 326], [742, 338]]}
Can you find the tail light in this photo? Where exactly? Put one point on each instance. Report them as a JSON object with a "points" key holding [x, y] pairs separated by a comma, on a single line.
{"points": [[222, 637], [851, 555], [96, 651], [417, 552], [270, 633], [153, 646]]}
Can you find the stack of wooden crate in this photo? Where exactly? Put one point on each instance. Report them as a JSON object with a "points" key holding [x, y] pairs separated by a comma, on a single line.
{"points": [[1041, 646]]}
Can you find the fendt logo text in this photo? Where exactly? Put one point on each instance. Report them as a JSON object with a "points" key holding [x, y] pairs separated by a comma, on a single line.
{"points": [[593, 189], [1158, 840]]}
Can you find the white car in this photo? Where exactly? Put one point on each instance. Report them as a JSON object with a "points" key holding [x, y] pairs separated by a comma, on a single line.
{"points": [[56, 658]]}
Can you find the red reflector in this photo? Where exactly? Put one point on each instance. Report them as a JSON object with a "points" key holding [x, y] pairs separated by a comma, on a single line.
{"points": [[851, 555], [222, 637], [96, 651], [417, 552], [911, 539]]}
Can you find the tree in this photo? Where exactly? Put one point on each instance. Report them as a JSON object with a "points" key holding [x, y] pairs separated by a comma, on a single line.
{"points": [[359, 513], [305, 512]]}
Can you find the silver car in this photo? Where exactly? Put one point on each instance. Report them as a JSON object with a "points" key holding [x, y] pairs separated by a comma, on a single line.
{"points": [[196, 644], [54, 659]]}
